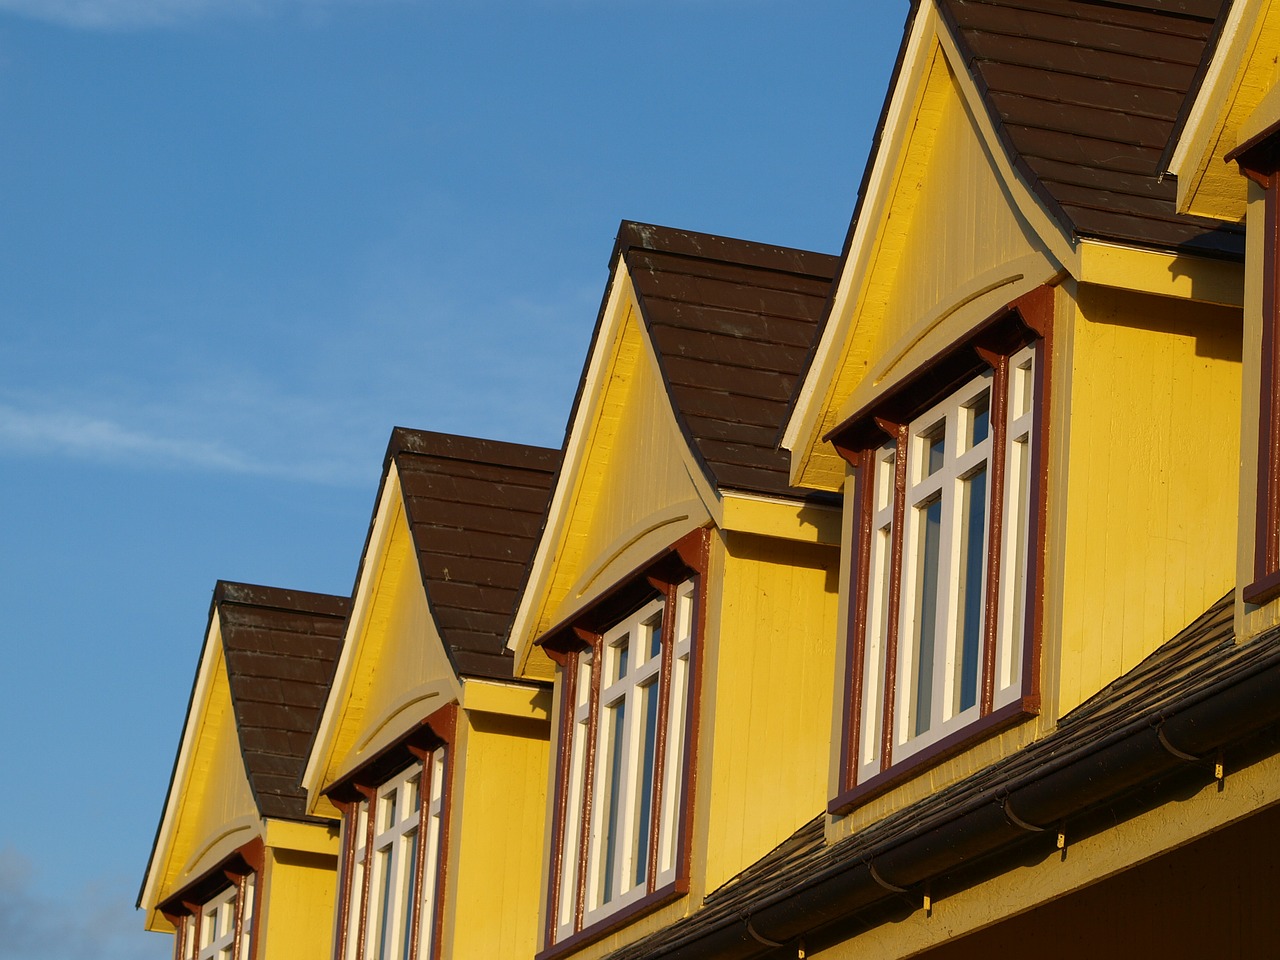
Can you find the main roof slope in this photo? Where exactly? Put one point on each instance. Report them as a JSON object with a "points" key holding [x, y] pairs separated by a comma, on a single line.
{"points": [[475, 509], [1087, 96], [732, 323], [281, 649]]}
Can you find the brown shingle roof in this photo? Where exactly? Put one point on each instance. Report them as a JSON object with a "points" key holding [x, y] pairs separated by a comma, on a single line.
{"points": [[281, 650], [476, 509], [732, 323], [1087, 97], [1214, 691]]}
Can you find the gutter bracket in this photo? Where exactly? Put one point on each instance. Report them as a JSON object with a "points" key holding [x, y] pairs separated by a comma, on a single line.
{"points": [[1017, 821], [764, 941], [875, 875]]}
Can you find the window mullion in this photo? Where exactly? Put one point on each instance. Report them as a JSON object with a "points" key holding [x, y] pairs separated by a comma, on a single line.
{"points": [[893, 611], [666, 650], [995, 526], [589, 827]]}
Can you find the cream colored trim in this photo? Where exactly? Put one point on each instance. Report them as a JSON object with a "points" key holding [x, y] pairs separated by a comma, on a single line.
{"points": [[389, 506], [210, 659], [238, 832], [1207, 112], [592, 386], [975, 301], [783, 519], [303, 837], [677, 515], [394, 722], [507, 699], [1163, 274], [879, 188]]}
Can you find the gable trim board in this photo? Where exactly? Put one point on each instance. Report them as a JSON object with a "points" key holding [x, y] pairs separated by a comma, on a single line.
{"points": [[1201, 709]]}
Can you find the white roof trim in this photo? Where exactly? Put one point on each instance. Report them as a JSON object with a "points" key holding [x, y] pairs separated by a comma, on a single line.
{"points": [[209, 656]]}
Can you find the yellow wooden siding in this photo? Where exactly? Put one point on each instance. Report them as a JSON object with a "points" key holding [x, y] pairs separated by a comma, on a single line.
{"points": [[216, 812], [398, 663], [1207, 184], [495, 867], [633, 491], [296, 922], [1153, 400], [768, 671], [950, 247]]}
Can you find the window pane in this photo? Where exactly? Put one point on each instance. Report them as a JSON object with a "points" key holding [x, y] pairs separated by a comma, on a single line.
{"points": [[617, 716], [972, 582], [935, 442], [410, 872], [930, 525], [653, 631], [979, 418], [649, 706], [674, 777]]}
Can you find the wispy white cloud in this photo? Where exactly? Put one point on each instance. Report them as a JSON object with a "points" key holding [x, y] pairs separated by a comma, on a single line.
{"points": [[80, 436], [134, 14], [95, 923]]}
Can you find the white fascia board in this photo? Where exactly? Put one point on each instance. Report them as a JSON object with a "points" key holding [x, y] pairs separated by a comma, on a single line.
{"points": [[1213, 89], [210, 655], [879, 185], [575, 451], [340, 688]]}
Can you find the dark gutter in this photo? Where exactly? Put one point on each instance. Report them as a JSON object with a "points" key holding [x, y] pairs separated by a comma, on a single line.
{"points": [[1064, 786]]}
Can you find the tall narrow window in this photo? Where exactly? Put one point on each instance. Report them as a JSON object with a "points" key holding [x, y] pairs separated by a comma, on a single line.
{"points": [[944, 528], [392, 859], [624, 705], [221, 926]]}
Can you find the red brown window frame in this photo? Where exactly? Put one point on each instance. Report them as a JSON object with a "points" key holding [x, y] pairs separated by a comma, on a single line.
{"points": [[1026, 321], [362, 784], [685, 560], [1259, 160], [190, 902]]}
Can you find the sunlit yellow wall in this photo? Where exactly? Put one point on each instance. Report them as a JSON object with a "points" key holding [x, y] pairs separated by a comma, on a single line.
{"points": [[767, 676], [495, 858], [1150, 498], [398, 659], [921, 280], [297, 903], [633, 492], [215, 811]]}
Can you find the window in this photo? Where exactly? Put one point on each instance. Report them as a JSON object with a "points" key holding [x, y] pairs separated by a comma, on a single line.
{"points": [[625, 686], [945, 515], [393, 828], [217, 925], [1260, 162]]}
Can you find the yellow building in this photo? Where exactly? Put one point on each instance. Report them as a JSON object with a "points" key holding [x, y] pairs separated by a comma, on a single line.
{"points": [[240, 870], [683, 597], [428, 752], [1047, 731]]}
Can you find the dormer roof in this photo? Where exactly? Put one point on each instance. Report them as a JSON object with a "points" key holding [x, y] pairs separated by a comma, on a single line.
{"points": [[281, 649], [475, 509], [732, 323], [1087, 97]]}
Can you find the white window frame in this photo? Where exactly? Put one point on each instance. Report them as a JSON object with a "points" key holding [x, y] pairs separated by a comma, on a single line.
{"points": [[642, 855], [220, 928], [384, 837], [918, 487]]}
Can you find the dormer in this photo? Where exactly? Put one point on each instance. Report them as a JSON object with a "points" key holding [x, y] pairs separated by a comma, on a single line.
{"points": [[682, 595], [240, 869], [427, 741]]}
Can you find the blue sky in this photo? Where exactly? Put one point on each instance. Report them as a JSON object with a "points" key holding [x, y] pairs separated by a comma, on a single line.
{"points": [[242, 239]]}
